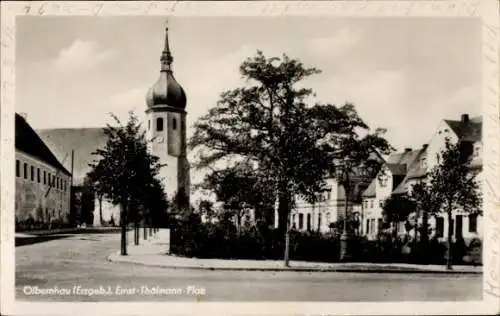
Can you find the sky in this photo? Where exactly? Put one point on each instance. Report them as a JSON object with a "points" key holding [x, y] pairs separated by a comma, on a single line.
{"points": [[404, 74]]}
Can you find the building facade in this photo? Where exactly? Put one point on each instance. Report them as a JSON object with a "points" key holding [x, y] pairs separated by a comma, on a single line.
{"points": [[43, 184], [413, 166]]}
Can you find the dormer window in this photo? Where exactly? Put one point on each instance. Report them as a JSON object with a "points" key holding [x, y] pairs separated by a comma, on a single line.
{"points": [[159, 124], [424, 162]]}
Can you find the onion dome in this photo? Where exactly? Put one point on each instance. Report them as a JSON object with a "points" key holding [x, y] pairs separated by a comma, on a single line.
{"points": [[166, 91]]}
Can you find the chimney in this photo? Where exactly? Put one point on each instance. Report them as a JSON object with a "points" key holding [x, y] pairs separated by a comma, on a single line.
{"points": [[465, 118], [407, 150], [424, 146], [24, 115]]}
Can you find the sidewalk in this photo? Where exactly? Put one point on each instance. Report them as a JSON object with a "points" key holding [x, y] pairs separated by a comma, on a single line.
{"points": [[60, 231], [153, 252]]}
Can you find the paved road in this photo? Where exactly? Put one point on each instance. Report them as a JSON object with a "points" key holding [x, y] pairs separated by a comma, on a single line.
{"points": [[79, 260]]}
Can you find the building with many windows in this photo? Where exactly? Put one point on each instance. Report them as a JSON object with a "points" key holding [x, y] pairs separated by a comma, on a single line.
{"points": [[43, 184], [406, 169]]}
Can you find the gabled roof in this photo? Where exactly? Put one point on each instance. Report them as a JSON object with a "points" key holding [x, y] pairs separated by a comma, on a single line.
{"points": [[468, 131], [83, 141], [415, 170], [400, 165], [29, 142], [371, 190]]}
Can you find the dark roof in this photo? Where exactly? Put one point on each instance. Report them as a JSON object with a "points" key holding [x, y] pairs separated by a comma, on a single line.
{"points": [[29, 142], [468, 131], [397, 169], [83, 141], [415, 170], [371, 190]]}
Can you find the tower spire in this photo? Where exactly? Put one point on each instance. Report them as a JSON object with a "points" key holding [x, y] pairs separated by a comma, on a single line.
{"points": [[166, 56]]}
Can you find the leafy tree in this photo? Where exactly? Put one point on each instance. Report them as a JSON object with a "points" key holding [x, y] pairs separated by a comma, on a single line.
{"points": [[125, 169], [455, 185], [272, 123], [426, 202], [241, 187], [397, 208]]}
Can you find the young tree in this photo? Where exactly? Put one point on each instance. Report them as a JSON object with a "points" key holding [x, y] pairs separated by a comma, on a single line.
{"points": [[455, 185], [426, 202], [397, 208], [125, 169], [270, 122]]}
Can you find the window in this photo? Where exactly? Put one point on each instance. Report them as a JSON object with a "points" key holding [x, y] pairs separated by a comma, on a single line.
{"points": [[48, 179], [439, 226], [174, 123], [308, 222], [371, 203], [57, 183], [367, 226], [53, 180], [149, 124], [65, 186], [319, 221], [473, 223], [44, 177], [38, 175], [381, 203], [32, 173], [301, 221], [18, 168], [293, 221], [329, 195], [159, 124], [328, 218], [25, 170], [379, 224]]}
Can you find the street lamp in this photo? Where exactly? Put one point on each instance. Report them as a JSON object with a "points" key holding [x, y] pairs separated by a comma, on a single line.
{"points": [[342, 172]]}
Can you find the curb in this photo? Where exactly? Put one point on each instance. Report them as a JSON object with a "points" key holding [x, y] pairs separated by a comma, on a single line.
{"points": [[295, 269]]}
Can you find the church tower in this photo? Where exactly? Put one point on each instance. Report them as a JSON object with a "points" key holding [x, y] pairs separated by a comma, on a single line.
{"points": [[166, 127]]}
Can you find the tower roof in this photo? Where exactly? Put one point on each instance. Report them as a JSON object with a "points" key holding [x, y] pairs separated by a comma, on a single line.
{"points": [[166, 91]]}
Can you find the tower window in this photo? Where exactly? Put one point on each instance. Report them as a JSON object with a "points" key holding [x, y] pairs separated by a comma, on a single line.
{"points": [[18, 169], [38, 175], [44, 177], [174, 123], [159, 124], [32, 173], [25, 170]]}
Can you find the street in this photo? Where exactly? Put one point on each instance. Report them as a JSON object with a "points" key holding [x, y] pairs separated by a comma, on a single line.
{"points": [[75, 264]]}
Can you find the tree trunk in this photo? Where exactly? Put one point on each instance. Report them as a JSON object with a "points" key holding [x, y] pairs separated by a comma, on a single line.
{"points": [[123, 224], [100, 211], [425, 228], [136, 233], [450, 240]]}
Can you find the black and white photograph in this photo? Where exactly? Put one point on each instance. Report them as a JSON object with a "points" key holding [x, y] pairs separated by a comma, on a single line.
{"points": [[225, 158]]}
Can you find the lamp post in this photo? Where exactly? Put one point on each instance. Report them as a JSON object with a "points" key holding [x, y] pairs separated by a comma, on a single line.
{"points": [[342, 170]]}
